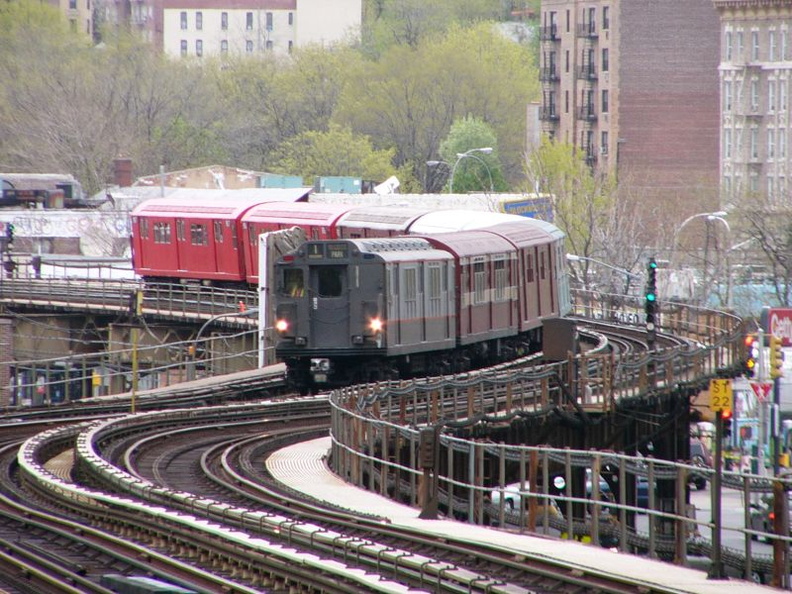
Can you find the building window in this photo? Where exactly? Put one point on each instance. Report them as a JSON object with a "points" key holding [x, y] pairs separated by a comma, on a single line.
{"points": [[269, 44], [728, 46], [740, 45], [291, 18], [199, 20], [782, 95], [606, 17], [754, 182], [566, 61], [224, 46], [784, 43], [771, 144], [566, 101], [727, 144], [754, 95], [224, 21], [754, 46], [291, 46], [199, 47], [183, 47], [771, 46], [727, 95], [771, 95], [605, 60], [782, 143], [568, 19], [604, 143], [249, 21], [73, 4], [605, 101], [183, 18], [269, 21], [754, 143], [249, 46]]}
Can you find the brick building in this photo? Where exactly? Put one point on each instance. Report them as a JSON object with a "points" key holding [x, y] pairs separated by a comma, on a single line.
{"points": [[754, 81], [634, 84]]}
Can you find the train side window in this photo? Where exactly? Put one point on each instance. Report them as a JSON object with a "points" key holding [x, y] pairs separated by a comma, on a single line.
{"points": [[144, 229], [162, 233], [179, 230], [293, 283], [433, 289], [501, 279], [479, 282], [198, 235], [218, 231], [529, 269], [330, 281]]}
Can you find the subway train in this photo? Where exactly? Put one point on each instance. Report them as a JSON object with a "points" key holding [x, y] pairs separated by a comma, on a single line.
{"points": [[196, 238], [377, 308], [376, 292]]}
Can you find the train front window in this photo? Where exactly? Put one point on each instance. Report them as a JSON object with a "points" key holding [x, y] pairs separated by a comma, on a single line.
{"points": [[293, 284], [329, 280]]}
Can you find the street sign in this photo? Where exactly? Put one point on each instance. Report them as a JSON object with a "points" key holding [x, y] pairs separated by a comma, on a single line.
{"points": [[762, 390], [720, 395]]}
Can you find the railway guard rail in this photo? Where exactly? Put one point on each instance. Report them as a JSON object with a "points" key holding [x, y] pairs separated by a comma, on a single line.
{"points": [[45, 381], [386, 437]]}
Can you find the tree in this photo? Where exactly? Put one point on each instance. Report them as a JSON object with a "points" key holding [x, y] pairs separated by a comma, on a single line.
{"points": [[478, 171], [768, 230], [410, 98], [598, 225], [316, 153]]}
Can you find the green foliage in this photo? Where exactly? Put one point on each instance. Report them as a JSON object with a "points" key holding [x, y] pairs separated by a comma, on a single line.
{"points": [[338, 151], [477, 171], [584, 200], [410, 98]]}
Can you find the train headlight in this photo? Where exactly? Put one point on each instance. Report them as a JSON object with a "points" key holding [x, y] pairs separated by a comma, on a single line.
{"points": [[375, 325], [281, 326]]}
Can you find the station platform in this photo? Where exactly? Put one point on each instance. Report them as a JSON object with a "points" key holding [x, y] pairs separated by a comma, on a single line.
{"points": [[302, 467]]}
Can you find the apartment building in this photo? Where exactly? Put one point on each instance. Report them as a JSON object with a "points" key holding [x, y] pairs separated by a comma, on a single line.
{"points": [[634, 84], [78, 13], [754, 81], [198, 28]]}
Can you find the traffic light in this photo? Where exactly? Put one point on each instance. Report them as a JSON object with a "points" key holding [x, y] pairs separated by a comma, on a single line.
{"points": [[776, 356], [751, 355], [9, 229], [650, 302], [726, 415]]}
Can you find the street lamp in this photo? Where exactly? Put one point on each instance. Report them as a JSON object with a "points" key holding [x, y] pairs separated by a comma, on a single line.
{"points": [[469, 154], [709, 217], [627, 273]]}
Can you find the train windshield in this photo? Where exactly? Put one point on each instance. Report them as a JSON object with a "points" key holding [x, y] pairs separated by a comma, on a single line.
{"points": [[329, 280], [293, 284]]}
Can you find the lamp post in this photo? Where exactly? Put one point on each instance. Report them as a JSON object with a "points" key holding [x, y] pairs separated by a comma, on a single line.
{"points": [[709, 217], [469, 154], [627, 273]]}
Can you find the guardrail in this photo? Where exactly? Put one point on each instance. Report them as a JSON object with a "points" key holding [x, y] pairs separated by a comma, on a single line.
{"points": [[391, 437]]}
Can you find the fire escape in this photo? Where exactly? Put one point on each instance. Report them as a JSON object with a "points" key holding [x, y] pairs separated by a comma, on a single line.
{"points": [[549, 77], [586, 72]]}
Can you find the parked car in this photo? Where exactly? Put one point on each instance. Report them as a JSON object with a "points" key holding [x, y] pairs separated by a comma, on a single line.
{"points": [[511, 500]]}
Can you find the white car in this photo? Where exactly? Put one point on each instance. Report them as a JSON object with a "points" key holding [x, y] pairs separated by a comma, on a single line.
{"points": [[511, 499]]}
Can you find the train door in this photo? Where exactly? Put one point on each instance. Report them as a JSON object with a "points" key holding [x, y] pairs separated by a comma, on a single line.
{"points": [[329, 304]]}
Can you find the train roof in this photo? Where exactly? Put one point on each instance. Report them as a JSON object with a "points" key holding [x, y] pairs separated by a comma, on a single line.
{"points": [[286, 213], [466, 244], [229, 206], [381, 217], [528, 232], [446, 221], [392, 249]]}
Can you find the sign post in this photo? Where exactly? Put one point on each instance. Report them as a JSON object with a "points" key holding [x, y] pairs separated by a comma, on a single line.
{"points": [[721, 399]]}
